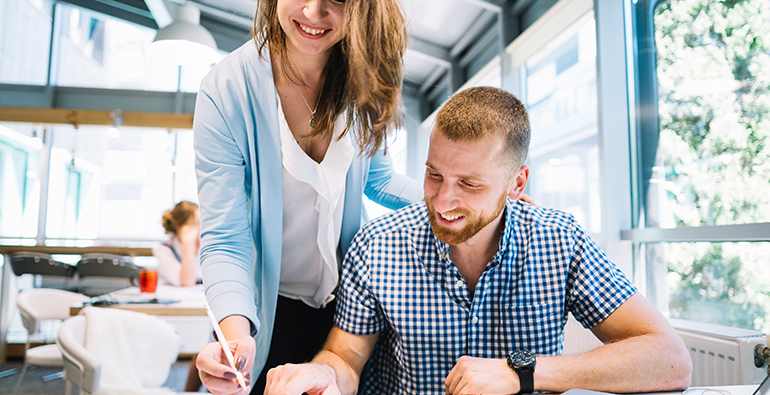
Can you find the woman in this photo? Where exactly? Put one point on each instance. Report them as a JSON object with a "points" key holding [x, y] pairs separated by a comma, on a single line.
{"points": [[287, 136], [178, 260]]}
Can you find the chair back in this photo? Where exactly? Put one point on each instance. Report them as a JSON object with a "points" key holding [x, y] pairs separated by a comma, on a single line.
{"points": [[106, 265], [117, 350], [104, 273], [81, 368], [39, 304], [39, 263]]}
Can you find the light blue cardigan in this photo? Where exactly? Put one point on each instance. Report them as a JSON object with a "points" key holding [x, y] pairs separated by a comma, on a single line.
{"points": [[238, 165]]}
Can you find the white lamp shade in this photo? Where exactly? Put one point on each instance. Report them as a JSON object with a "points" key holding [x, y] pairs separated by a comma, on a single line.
{"points": [[185, 41]]}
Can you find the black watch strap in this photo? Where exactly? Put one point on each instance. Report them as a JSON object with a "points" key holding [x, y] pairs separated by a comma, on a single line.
{"points": [[523, 363], [526, 380]]}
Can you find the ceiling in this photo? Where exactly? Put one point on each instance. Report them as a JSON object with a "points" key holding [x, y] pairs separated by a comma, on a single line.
{"points": [[449, 39]]}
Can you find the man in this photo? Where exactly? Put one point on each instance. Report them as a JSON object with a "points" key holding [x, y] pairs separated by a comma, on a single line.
{"points": [[468, 292]]}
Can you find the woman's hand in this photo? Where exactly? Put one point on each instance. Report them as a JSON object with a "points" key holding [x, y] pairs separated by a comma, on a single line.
{"points": [[525, 198], [215, 372], [190, 235]]}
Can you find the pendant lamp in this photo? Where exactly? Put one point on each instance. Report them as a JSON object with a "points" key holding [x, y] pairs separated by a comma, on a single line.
{"points": [[184, 41]]}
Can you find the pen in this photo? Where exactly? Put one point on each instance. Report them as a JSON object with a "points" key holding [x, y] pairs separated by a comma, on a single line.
{"points": [[225, 347]]}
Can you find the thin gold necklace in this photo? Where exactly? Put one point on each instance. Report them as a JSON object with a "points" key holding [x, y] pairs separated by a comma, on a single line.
{"points": [[313, 120]]}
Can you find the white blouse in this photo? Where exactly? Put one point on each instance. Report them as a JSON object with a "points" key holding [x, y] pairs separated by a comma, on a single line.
{"points": [[313, 201]]}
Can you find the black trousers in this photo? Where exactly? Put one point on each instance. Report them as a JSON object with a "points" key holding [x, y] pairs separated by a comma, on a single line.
{"points": [[298, 334]]}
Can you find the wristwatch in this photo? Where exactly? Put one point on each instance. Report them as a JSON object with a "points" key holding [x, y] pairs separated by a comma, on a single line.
{"points": [[523, 363]]}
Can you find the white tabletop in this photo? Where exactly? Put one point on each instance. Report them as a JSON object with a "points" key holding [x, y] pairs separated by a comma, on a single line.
{"points": [[187, 301], [717, 390]]}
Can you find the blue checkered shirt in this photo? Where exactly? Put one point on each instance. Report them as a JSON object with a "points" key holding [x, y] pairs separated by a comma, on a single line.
{"points": [[398, 280]]}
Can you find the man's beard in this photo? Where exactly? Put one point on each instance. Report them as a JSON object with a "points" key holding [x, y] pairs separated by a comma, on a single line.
{"points": [[473, 226]]}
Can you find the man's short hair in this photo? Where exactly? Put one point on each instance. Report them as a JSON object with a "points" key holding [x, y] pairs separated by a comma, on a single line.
{"points": [[476, 113]]}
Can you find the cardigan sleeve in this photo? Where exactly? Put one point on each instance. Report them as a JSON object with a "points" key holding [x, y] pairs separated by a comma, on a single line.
{"points": [[388, 188], [226, 244]]}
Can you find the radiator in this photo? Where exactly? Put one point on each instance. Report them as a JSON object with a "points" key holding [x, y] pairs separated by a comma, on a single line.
{"points": [[720, 355], [578, 339]]}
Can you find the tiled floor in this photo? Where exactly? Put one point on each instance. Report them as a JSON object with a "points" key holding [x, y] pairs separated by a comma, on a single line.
{"points": [[33, 385]]}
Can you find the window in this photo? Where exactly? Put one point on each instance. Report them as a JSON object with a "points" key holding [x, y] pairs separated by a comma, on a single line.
{"points": [[102, 52], [397, 151], [713, 88], [19, 180], [25, 38], [116, 187], [704, 186], [92, 50], [717, 283], [560, 95]]}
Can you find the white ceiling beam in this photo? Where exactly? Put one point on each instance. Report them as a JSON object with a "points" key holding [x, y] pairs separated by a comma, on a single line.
{"points": [[231, 17], [488, 5], [227, 16], [481, 43], [520, 5], [429, 51], [433, 77], [474, 31], [159, 12]]}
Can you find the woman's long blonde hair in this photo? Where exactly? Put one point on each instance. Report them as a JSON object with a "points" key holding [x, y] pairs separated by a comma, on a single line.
{"points": [[364, 72]]}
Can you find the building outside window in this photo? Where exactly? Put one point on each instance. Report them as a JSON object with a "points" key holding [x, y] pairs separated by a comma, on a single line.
{"points": [[560, 96]]}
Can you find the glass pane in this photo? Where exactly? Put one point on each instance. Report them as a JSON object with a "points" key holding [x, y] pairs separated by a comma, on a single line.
{"points": [[19, 180], [25, 38], [105, 187], [562, 104], [709, 163], [568, 179], [183, 170], [191, 76], [397, 151], [718, 283], [103, 52]]}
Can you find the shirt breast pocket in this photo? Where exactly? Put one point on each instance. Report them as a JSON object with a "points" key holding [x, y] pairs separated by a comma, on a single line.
{"points": [[535, 327]]}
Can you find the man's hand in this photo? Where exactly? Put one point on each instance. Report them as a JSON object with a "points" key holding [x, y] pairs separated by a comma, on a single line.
{"points": [[481, 376], [309, 378]]}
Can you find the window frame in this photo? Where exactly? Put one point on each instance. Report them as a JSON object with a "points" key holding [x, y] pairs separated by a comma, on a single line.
{"points": [[650, 273], [647, 130]]}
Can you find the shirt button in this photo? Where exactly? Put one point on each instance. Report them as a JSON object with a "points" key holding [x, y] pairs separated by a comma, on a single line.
{"points": [[475, 319], [459, 283], [446, 255]]}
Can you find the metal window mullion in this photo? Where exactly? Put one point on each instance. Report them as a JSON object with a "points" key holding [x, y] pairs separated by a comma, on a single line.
{"points": [[45, 167], [719, 234]]}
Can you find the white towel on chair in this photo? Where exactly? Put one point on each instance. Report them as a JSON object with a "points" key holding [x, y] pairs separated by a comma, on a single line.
{"points": [[136, 350]]}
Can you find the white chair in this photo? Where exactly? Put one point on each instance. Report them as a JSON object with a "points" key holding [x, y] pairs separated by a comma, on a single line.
{"points": [[82, 369], [117, 350], [37, 305]]}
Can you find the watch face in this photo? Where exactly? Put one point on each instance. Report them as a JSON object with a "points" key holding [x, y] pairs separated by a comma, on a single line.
{"points": [[523, 358]]}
